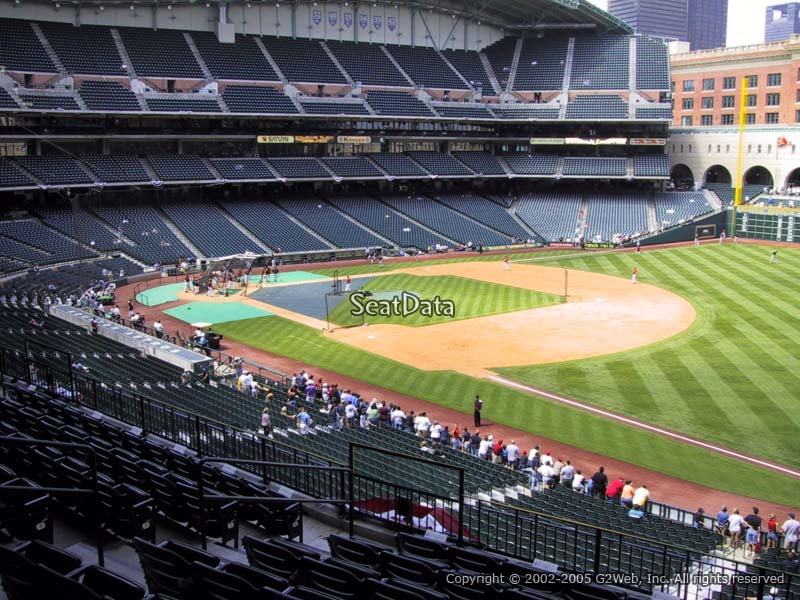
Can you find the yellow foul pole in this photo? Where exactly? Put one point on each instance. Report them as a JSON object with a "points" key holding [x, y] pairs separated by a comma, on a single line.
{"points": [[740, 157]]}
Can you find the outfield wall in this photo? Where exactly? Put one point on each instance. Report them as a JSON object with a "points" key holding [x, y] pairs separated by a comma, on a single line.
{"points": [[708, 227], [768, 223]]}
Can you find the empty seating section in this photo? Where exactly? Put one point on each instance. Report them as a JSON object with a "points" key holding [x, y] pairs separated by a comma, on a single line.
{"points": [[616, 215], [673, 208], [44, 239], [482, 163], [6, 101], [11, 176], [331, 224], [501, 56], [463, 111], [87, 229], [179, 167], [522, 111], [388, 223], [143, 225], [397, 165], [597, 106], [447, 222], [114, 168], [334, 108], [651, 165], [542, 64], [273, 227], [12, 249], [20, 49], [209, 230], [440, 164], [468, 63], [183, 104], [532, 164], [162, 53], [108, 96], [352, 166], [367, 63], [299, 168], [55, 169], [48, 101], [488, 212], [553, 216], [426, 67], [600, 63], [595, 167], [723, 190], [257, 99], [303, 60], [654, 112], [652, 64], [84, 50], [397, 104], [240, 60], [242, 168]]}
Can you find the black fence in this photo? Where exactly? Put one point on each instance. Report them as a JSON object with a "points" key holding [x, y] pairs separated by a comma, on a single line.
{"points": [[622, 559]]}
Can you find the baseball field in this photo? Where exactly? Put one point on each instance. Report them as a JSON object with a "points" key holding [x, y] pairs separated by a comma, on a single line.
{"points": [[707, 344]]}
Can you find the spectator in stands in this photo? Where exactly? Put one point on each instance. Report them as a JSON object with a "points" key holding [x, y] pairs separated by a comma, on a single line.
{"points": [[186, 377], [422, 425], [772, 531], [266, 422], [484, 447], [627, 494], [753, 534], [579, 482], [557, 466], [547, 475], [614, 491], [398, 418], [94, 325], [641, 497], [567, 474], [436, 433], [791, 529], [512, 454], [721, 524], [158, 328], [204, 376], [698, 521], [735, 525], [599, 483], [303, 421]]}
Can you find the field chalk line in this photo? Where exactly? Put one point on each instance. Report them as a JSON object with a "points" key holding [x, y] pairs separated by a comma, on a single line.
{"points": [[641, 425]]}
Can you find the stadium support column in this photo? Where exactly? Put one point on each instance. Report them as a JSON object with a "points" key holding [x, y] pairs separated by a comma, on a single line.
{"points": [[740, 155]]}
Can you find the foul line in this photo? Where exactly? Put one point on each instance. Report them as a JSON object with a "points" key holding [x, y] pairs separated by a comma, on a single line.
{"points": [[641, 425]]}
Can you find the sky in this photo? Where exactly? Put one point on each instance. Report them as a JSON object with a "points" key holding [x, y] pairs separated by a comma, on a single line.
{"points": [[745, 20]]}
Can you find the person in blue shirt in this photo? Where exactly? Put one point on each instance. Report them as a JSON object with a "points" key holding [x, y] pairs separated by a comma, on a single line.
{"points": [[303, 421], [721, 524]]}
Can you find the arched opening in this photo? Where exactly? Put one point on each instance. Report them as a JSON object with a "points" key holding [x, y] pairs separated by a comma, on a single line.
{"points": [[758, 175], [717, 174], [793, 181], [682, 177]]}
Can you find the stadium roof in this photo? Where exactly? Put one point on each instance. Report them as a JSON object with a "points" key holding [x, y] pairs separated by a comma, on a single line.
{"points": [[517, 15]]}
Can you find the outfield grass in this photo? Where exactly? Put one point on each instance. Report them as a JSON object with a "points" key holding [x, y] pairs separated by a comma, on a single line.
{"points": [[513, 408], [732, 378], [471, 298], [389, 265]]}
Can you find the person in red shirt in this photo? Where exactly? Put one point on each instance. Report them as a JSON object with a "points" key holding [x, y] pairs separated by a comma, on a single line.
{"points": [[634, 275], [506, 266], [772, 532], [614, 490]]}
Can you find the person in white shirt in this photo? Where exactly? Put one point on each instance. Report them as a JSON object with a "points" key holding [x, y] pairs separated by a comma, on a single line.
{"points": [[485, 444], [422, 425], [398, 418], [159, 329], [350, 414], [735, 524], [512, 454], [548, 475], [641, 496], [247, 382], [547, 459], [577, 482], [436, 433], [791, 529]]}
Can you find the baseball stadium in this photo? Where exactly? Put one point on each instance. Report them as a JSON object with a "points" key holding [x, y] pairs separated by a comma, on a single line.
{"points": [[391, 300]]}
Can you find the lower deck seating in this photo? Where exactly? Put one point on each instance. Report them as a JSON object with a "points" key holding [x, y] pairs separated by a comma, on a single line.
{"points": [[553, 216], [614, 216]]}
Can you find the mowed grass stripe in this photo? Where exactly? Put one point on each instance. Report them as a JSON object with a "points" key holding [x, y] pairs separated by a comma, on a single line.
{"points": [[744, 348], [520, 410], [471, 297]]}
